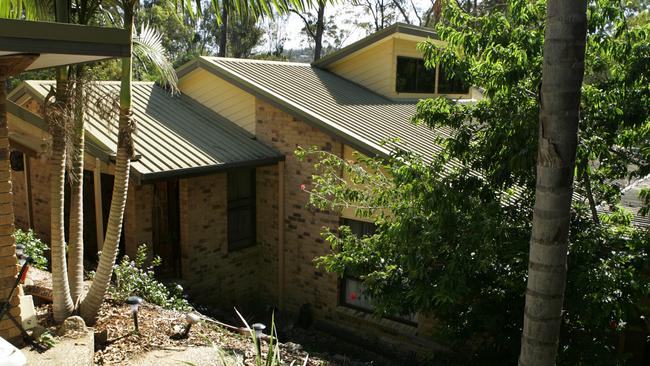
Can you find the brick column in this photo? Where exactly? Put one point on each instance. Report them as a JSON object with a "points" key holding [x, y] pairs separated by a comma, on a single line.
{"points": [[9, 65], [8, 262]]}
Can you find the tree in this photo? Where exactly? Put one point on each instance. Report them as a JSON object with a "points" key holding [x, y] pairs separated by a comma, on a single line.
{"points": [[314, 26], [453, 230], [562, 73], [58, 118], [383, 12], [149, 46]]}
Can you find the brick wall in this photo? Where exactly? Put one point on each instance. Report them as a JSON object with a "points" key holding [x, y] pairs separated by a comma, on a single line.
{"points": [[40, 182], [212, 275], [267, 231], [137, 218], [304, 283]]}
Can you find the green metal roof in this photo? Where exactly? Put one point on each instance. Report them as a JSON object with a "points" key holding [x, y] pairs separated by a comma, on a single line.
{"points": [[175, 135], [402, 28], [354, 114], [61, 44], [632, 202]]}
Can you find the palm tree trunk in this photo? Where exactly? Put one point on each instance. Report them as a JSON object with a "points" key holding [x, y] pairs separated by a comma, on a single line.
{"points": [[562, 74], [92, 302], [61, 301], [76, 244]]}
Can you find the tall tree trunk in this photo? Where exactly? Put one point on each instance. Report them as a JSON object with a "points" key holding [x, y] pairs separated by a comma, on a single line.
{"points": [[62, 305], [563, 69], [223, 39], [58, 112], [76, 244], [320, 28], [92, 302]]}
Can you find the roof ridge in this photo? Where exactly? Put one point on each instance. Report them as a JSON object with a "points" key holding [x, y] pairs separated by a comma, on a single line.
{"points": [[256, 61]]}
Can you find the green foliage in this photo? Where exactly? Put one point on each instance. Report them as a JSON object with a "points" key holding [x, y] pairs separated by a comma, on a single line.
{"points": [[273, 357], [452, 231], [34, 248], [46, 340], [136, 278]]}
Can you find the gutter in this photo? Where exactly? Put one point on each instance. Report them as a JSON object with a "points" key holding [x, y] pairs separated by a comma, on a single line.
{"points": [[206, 170]]}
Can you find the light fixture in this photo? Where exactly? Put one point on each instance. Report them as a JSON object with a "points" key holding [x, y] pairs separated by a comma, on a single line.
{"points": [[134, 302], [20, 253], [258, 328], [190, 319]]}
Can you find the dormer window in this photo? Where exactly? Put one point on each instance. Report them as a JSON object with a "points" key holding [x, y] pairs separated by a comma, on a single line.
{"points": [[413, 77], [451, 85]]}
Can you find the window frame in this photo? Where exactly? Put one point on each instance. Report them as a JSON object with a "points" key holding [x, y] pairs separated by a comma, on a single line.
{"points": [[418, 68], [241, 204], [453, 81], [343, 284], [438, 75]]}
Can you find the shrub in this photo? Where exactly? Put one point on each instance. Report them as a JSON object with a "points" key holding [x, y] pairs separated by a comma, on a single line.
{"points": [[34, 247], [136, 278]]}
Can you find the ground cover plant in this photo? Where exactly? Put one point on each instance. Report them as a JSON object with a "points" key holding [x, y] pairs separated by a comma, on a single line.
{"points": [[33, 248], [452, 233], [137, 278]]}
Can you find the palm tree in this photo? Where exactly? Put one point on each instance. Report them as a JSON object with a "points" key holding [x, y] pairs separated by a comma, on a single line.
{"points": [[57, 116], [148, 44], [562, 73]]}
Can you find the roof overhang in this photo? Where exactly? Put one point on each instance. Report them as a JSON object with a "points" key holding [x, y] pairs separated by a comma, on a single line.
{"points": [[58, 44]]}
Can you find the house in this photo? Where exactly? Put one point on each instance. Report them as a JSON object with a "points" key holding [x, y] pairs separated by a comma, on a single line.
{"points": [[215, 187]]}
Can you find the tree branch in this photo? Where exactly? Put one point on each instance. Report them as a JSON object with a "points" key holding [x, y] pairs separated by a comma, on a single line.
{"points": [[307, 25], [402, 10]]}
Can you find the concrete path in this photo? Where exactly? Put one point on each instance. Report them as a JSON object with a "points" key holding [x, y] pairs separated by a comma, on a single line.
{"points": [[199, 356], [68, 351]]}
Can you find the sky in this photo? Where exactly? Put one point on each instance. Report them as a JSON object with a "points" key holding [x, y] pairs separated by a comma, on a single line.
{"points": [[342, 12]]}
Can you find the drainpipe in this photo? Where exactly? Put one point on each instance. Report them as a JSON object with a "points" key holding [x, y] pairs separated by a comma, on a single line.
{"points": [[281, 235], [99, 212]]}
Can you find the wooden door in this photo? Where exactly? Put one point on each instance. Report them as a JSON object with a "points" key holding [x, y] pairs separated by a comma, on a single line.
{"points": [[166, 227]]}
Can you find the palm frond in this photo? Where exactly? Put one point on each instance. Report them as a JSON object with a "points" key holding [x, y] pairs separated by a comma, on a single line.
{"points": [[27, 9], [148, 45]]}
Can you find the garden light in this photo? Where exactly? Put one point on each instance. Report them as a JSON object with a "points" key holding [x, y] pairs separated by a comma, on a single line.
{"points": [[259, 328], [20, 254], [134, 302], [191, 319]]}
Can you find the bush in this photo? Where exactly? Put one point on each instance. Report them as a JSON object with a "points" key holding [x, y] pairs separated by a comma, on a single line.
{"points": [[34, 248], [135, 278]]}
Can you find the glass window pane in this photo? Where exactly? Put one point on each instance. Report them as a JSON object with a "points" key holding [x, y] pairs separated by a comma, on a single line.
{"points": [[241, 209], [413, 76], [451, 85]]}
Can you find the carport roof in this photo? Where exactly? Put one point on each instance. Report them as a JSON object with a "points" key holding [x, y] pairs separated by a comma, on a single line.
{"points": [[58, 44]]}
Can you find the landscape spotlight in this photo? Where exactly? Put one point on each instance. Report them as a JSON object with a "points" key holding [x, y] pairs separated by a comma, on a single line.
{"points": [[134, 302], [191, 319], [259, 328]]}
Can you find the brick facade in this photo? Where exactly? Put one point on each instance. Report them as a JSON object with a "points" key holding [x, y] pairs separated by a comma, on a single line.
{"points": [[304, 283], [137, 218], [213, 275]]}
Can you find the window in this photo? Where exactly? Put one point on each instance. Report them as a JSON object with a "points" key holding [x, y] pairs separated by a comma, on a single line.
{"points": [[413, 77], [352, 288], [451, 85], [241, 209]]}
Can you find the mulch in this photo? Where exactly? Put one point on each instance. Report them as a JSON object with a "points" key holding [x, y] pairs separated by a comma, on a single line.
{"points": [[116, 343]]}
